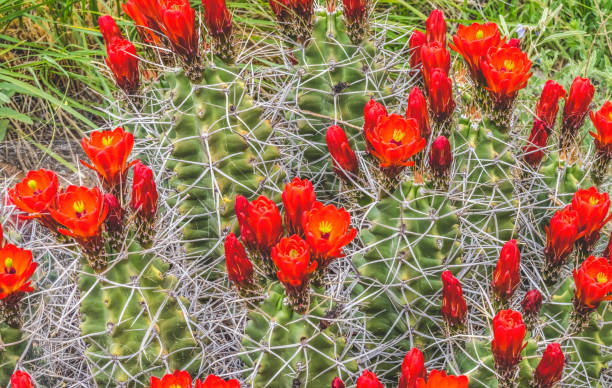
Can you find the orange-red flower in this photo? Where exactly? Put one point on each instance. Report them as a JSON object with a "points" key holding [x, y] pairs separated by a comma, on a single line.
{"points": [[368, 380], [108, 152], [21, 379], [534, 150], [472, 43], [81, 211], [260, 222], [593, 284], [123, 62], [327, 231], [178, 379], [602, 121], [178, 22], [417, 109], [371, 113], [550, 368], [548, 104], [508, 335], [506, 71], [561, 234], [144, 193], [417, 39], [435, 27], [145, 14], [394, 141], [434, 56], [441, 99], [16, 268], [577, 104], [454, 307], [439, 379], [292, 257], [413, 368], [218, 18], [592, 208], [507, 276], [440, 156], [239, 268], [343, 157], [213, 381], [298, 197], [35, 193]]}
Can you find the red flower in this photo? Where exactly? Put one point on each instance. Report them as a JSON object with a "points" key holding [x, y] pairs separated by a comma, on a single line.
{"points": [[413, 368], [21, 379], [439, 379], [534, 150], [593, 283], [343, 157], [260, 223], [441, 95], [472, 43], [354, 10], [123, 62], [550, 368], [239, 268], [108, 152], [532, 302], [213, 381], [145, 14], [327, 231], [506, 71], [35, 194], [602, 121], [281, 8], [548, 104], [394, 141], [454, 307], [178, 21], [292, 258], [506, 276], [337, 383], [417, 39], [508, 335], [81, 211], [109, 28], [371, 113], [178, 379], [435, 27], [144, 192], [218, 18], [577, 104], [16, 268], [298, 197], [561, 235], [417, 109], [592, 208], [368, 380], [434, 55], [440, 156]]}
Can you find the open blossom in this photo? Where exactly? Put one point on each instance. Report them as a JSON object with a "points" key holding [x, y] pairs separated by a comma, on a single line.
{"points": [[561, 234], [213, 381], [371, 113], [436, 27], [434, 56], [21, 379], [35, 194], [260, 222], [343, 157], [506, 276], [472, 43], [548, 104], [417, 109], [238, 265], [16, 268], [454, 307], [328, 230], [534, 150], [508, 335], [417, 39], [441, 99], [593, 282], [439, 379], [550, 368], [506, 71], [577, 104], [413, 368], [368, 380], [592, 208], [81, 211], [292, 257], [298, 197], [602, 121]]}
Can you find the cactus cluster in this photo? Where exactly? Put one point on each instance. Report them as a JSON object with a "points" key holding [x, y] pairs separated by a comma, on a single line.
{"points": [[359, 213]]}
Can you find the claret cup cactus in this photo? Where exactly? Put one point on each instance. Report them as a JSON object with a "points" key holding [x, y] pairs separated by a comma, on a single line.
{"points": [[349, 212]]}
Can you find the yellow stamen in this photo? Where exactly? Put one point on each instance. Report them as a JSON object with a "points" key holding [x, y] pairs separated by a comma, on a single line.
{"points": [[610, 115], [509, 65], [398, 135], [107, 140], [32, 184], [325, 227], [8, 263], [78, 206], [479, 34], [293, 253], [593, 200], [602, 277]]}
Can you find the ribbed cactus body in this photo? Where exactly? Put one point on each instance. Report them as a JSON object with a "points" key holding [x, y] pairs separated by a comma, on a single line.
{"points": [[133, 322], [12, 346]]}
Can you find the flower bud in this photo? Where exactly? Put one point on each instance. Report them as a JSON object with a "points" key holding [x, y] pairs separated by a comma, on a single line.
{"points": [[532, 302], [345, 162], [238, 265], [577, 104], [413, 368], [550, 368], [417, 109], [123, 62], [144, 193], [534, 150], [337, 383], [508, 335], [561, 234], [109, 28], [440, 156], [435, 27], [298, 197], [548, 104], [506, 276], [417, 39], [21, 379], [441, 99], [371, 112], [434, 55], [368, 380], [454, 307]]}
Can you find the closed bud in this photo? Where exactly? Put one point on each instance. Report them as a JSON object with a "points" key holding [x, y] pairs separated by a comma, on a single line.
{"points": [[508, 336], [434, 55], [534, 150], [337, 383], [108, 28], [441, 99], [454, 307], [345, 162], [371, 113], [114, 220], [368, 380], [577, 104], [514, 42], [550, 369], [506, 276], [532, 302], [178, 22], [123, 62], [417, 39], [260, 222], [548, 104], [417, 109], [435, 27], [144, 193], [21, 379], [219, 24], [238, 265], [298, 197], [440, 157], [413, 368]]}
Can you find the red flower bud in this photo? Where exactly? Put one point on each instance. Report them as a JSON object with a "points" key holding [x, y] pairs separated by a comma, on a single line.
{"points": [[439, 379], [368, 380], [441, 99], [109, 28], [145, 15], [239, 268], [435, 27], [337, 383], [561, 234], [417, 109], [508, 335], [344, 159], [592, 208], [534, 150], [213, 381], [292, 257], [440, 156], [514, 42], [608, 249], [298, 197], [354, 10], [260, 222], [507, 276], [577, 104], [178, 23], [34, 195], [454, 307], [532, 302], [548, 104], [371, 113], [413, 368], [472, 43], [123, 62], [218, 19], [602, 121], [417, 39], [434, 55], [506, 71], [593, 284], [550, 368], [21, 379], [281, 8], [16, 268], [114, 219], [328, 230], [144, 192]]}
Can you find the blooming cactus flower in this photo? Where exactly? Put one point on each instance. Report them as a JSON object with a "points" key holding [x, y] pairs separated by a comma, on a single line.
{"points": [[16, 268], [344, 159], [21, 379], [35, 194], [506, 71], [441, 99], [592, 208], [108, 152], [371, 113], [472, 43], [534, 150], [144, 192], [434, 55], [439, 379], [507, 276], [260, 222], [292, 257], [454, 307], [508, 335], [550, 368], [440, 156], [298, 197], [213, 381], [178, 24], [413, 368], [532, 302], [602, 121], [327, 231], [81, 211], [548, 104], [394, 141], [368, 380], [417, 39], [239, 268], [577, 104], [417, 109], [593, 282], [435, 27], [561, 234], [178, 379]]}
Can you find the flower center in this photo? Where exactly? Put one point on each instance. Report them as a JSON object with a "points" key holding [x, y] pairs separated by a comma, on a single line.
{"points": [[8, 264], [610, 115], [479, 34], [508, 65], [397, 137], [325, 227], [32, 184], [79, 207], [107, 140], [293, 253], [593, 200], [602, 277]]}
